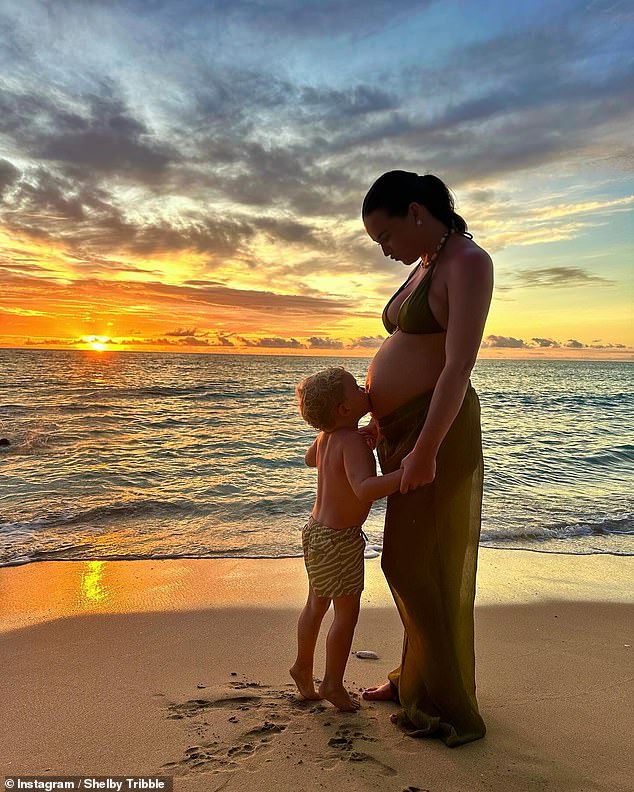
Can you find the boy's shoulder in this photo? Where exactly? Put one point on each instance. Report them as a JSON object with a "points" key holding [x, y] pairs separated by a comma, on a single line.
{"points": [[343, 440], [352, 439]]}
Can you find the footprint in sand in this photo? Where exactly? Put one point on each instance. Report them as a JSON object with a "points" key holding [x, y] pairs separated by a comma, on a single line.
{"points": [[344, 741], [277, 711], [212, 757], [266, 728], [228, 753], [246, 685], [241, 750], [194, 707]]}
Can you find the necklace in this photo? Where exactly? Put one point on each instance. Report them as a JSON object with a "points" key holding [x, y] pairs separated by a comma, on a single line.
{"points": [[429, 261]]}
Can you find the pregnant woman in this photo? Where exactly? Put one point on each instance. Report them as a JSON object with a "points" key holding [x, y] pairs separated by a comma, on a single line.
{"points": [[426, 420]]}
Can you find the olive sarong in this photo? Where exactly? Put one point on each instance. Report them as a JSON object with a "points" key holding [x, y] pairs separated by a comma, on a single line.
{"points": [[430, 550]]}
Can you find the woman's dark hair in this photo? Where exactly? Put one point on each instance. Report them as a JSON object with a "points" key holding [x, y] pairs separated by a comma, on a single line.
{"points": [[396, 190]]}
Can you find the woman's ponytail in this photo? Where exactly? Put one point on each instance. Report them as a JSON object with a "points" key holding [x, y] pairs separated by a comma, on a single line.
{"points": [[394, 191], [438, 200]]}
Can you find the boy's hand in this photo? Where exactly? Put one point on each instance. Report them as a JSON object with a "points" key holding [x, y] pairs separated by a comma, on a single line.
{"points": [[418, 470], [370, 433]]}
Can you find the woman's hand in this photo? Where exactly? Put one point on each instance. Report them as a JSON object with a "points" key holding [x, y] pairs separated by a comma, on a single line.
{"points": [[418, 469], [370, 433]]}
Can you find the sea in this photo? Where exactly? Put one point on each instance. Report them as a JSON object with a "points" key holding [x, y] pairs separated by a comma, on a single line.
{"points": [[124, 455]]}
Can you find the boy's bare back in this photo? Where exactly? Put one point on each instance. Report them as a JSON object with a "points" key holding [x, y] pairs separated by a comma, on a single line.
{"points": [[342, 458]]}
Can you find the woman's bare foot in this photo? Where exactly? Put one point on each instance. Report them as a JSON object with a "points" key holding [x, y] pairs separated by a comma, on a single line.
{"points": [[340, 697], [303, 678], [379, 693]]}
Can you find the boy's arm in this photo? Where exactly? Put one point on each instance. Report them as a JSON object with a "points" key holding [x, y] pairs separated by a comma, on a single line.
{"points": [[360, 469], [310, 458]]}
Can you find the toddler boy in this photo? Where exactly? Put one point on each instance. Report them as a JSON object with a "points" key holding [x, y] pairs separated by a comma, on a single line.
{"points": [[332, 540]]}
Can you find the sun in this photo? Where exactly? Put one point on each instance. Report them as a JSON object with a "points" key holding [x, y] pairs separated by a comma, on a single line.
{"points": [[97, 343]]}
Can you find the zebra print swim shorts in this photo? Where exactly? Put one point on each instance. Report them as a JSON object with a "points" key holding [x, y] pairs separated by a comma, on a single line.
{"points": [[334, 559]]}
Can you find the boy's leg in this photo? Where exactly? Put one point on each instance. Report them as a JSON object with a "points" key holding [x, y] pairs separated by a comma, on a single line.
{"points": [[338, 644], [308, 625]]}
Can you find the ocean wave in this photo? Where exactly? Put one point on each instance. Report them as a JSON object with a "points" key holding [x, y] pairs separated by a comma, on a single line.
{"points": [[620, 526], [51, 555], [609, 456], [103, 514]]}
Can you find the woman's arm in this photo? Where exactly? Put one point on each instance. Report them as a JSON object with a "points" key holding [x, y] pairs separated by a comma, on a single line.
{"points": [[469, 290]]}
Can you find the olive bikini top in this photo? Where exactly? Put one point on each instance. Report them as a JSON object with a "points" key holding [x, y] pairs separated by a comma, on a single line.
{"points": [[414, 315]]}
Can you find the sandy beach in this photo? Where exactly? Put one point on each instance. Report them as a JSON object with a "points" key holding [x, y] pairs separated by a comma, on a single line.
{"points": [[179, 668]]}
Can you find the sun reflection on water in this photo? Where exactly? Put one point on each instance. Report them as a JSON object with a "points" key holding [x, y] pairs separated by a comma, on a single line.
{"points": [[91, 586]]}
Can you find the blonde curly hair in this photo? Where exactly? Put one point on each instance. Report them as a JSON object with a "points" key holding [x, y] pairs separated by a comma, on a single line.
{"points": [[319, 396]]}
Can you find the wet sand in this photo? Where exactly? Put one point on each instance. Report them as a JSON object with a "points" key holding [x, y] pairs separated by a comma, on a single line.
{"points": [[180, 668]]}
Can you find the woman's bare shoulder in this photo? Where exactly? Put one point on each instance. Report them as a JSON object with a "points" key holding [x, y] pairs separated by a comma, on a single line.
{"points": [[468, 258]]}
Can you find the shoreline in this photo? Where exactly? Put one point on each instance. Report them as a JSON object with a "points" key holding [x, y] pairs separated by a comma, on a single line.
{"points": [[176, 558], [180, 668]]}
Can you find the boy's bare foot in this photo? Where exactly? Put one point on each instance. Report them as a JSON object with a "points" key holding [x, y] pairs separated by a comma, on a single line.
{"points": [[303, 678], [340, 697], [379, 693]]}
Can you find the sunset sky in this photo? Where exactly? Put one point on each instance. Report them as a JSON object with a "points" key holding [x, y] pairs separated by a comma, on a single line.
{"points": [[188, 176]]}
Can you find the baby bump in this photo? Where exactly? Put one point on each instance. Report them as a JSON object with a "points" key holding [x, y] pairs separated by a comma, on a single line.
{"points": [[406, 365]]}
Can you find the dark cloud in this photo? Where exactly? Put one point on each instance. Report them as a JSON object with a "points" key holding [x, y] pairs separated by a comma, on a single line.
{"points": [[272, 176], [559, 277], [508, 342], [16, 262], [315, 342], [481, 196], [8, 174], [169, 341], [84, 262], [40, 199], [272, 343], [102, 137], [182, 332], [294, 232], [193, 341], [202, 283], [251, 299], [60, 342], [121, 293], [361, 100], [368, 342], [42, 203], [503, 342]]}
